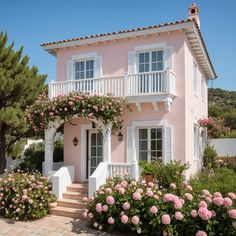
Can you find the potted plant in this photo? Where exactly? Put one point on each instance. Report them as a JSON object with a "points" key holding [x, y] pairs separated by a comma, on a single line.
{"points": [[148, 170]]}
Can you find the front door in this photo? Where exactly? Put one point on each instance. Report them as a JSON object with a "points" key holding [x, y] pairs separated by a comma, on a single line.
{"points": [[150, 144], [95, 150]]}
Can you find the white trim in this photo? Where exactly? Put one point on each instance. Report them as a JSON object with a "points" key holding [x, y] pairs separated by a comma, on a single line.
{"points": [[83, 56], [83, 144], [154, 46], [148, 123], [120, 35]]}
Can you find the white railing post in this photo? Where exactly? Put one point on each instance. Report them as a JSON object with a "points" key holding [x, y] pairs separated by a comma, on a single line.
{"points": [[50, 90], [107, 143], [134, 161], [126, 87]]}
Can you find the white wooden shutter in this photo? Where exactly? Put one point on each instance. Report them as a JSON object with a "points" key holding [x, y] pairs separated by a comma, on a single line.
{"points": [[131, 63], [69, 70], [129, 146], [98, 67], [168, 144], [168, 57]]}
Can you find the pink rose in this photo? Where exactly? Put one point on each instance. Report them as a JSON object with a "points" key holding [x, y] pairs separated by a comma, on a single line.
{"points": [[108, 190], [105, 208], [153, 210], [24, 197], [168, 197], [204, 213], [217, 194], [205, 192], [110, 200], [99, 207], [232, 214], [135, 220], [121, 191], [232, 195], [201, 233], [172, 186], [188, 196], [165, 219], [126, 206], [202, 204], [124, 219], [193, 213], [227, 202], [189, 188], [149, 193], [218, 201], [178, 205], [139, 190], [150, 184], [178, 215], [111, 221], [137, 196]]}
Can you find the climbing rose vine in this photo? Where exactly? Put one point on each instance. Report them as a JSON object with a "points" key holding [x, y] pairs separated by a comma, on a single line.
{"points": [[215, 127], [103, 109]]}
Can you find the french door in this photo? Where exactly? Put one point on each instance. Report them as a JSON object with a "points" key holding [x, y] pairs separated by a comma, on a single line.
{"points": [[95, 150], [150, 145]]}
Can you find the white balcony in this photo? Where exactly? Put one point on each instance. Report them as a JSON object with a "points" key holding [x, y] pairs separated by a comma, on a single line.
{"points": [[129, 86]]}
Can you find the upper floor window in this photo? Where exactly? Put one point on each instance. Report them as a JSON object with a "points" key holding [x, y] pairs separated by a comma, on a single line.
{"points": [[203, 89], [84, 69], [150, 61], [195, 77]]}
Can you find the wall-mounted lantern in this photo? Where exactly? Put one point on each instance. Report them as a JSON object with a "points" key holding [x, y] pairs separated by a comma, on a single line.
{"points": [[75, 141], [120, 136]]}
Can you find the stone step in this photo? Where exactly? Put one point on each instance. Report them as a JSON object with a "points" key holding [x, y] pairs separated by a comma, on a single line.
{"points": [[74, 195], [78, 187], [79, 204], [67, 212]]}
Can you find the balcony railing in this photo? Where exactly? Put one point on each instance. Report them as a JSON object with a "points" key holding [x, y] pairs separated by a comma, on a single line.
{"points": [[150, 83]]}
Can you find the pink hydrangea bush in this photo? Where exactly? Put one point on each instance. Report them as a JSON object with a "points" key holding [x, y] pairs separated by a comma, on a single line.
{"points": [[105, 109], [25, 195], [145, 209]]}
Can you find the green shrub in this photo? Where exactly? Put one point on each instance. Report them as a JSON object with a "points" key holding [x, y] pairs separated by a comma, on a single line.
{"points": [[148, 168], [209, 156], [172, 172], [136, 207], [25, 196], [34, 156], [221, 179]]}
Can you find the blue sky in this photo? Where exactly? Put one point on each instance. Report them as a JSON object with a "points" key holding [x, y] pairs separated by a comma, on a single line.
{"points": [[29, 23]]}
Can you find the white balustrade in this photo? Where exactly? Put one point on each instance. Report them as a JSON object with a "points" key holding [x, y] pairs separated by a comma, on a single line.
{"points": [[149, 83], [119, 169]]}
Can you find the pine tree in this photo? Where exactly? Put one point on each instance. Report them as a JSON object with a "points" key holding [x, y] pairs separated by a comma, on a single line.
{"points": [[20, 85]]}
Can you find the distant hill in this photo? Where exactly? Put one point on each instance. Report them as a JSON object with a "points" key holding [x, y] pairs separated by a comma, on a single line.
{"points": [[222, 103], [222, 97]]}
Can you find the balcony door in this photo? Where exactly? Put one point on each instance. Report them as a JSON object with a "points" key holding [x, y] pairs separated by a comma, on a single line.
{"points": [[149, 64], [150, 144], [95, 150], [84, 73]]}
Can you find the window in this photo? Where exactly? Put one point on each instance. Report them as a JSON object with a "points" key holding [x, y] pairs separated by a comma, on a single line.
{"points": [[84, 69], [195, 77], [203, 89], [150, 144], [196, 142], [150, 61]]}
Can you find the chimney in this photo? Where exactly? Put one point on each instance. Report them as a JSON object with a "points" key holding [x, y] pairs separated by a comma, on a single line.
{"points": [[193, 13]]}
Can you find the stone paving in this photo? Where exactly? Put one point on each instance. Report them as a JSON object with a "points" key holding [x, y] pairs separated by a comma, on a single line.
{"points": [[48, 226]]}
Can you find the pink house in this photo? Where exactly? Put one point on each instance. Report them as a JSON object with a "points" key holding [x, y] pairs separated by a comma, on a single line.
{"points": [[161, 71]]}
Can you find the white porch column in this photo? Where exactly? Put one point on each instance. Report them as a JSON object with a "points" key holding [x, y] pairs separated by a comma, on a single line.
{"points": [[134, 162], [107, 143], [48, 156]]}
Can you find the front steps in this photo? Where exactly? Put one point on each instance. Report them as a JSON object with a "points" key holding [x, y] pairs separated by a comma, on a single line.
{"points": [[72, 205]]}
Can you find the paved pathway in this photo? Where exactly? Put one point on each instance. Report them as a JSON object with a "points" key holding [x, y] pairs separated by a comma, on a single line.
{"points": [[48, 226]]}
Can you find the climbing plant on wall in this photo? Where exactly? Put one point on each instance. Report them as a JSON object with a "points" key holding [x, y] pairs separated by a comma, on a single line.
{"points": [[101, 109]]}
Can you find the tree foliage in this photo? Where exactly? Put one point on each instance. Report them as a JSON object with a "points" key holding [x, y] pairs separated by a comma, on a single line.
{"points": [[20, 85], [222, 104]]}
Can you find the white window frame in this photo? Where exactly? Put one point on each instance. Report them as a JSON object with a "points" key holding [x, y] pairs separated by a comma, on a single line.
{"points": [[196, 138], [149, 141], [195, 78], [84, 60], [203, 88], [150, 60], [148, 48]]}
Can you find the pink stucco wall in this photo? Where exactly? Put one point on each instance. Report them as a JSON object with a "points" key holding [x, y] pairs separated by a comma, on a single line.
{"points": [[195, 108], [186, 108]]}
